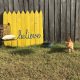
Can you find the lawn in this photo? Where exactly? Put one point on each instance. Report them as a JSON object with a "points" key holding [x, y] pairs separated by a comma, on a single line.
{"points": [[40, 63]]}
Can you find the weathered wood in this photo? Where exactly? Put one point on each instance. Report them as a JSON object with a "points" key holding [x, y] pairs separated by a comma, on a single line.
{"points": [[41, 7], [6, 5], [11, 5], [61, 17], [46, 22], [73, 19], [51, 19], [1, 6], [1, 18], [78, 20], [1, 11], [57, 20], [36, 5], [16, 5], [21, 5], [68, 18], [63, 20], [31, 6], [26, 5]]}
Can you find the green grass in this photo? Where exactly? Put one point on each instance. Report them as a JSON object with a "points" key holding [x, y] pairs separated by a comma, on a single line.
{"points": [[40, 63]]}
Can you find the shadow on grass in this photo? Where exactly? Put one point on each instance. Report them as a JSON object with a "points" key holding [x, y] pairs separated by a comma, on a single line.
{"points": [[60, 49], [9, 47], [76, 49], [22, 51], [57, 50], [45, 45]]}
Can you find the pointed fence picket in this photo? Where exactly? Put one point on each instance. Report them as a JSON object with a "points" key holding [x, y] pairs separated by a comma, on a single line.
{"points": [[19, 28], [14, 28], [32, 28], [27, 24], [5, 19], [9, 20]]}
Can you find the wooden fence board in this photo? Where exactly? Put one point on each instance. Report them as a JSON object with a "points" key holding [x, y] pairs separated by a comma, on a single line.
{"points": [[57, 20], [36, 5], [21, 5], [23, 31], [72, 19], [9, 21], [1, 18], [31, 5], [37, 29], [5, 19], [63, 20], [41, 27], [27, 24], [41, 5], [68, 17], [11, 6], [42, 8], [14, 28], [26, 2], [79, 20], [1, 11], [16, 5], [18, 20], [6, 5], [46, 32], [1, 6], [32, 27], [51, 19]]}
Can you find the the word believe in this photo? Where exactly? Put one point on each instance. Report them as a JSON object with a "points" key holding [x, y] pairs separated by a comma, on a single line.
{"points": [[28, 35]]}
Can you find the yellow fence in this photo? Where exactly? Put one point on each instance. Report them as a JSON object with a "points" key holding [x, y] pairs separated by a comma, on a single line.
{"points": [[27, 27]]}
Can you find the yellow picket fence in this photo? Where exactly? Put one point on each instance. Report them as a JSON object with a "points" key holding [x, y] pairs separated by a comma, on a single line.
{"points": [[26, 26]]}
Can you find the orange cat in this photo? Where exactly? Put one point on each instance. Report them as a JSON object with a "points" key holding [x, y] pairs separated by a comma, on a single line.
{"points": [[70, 45]]}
